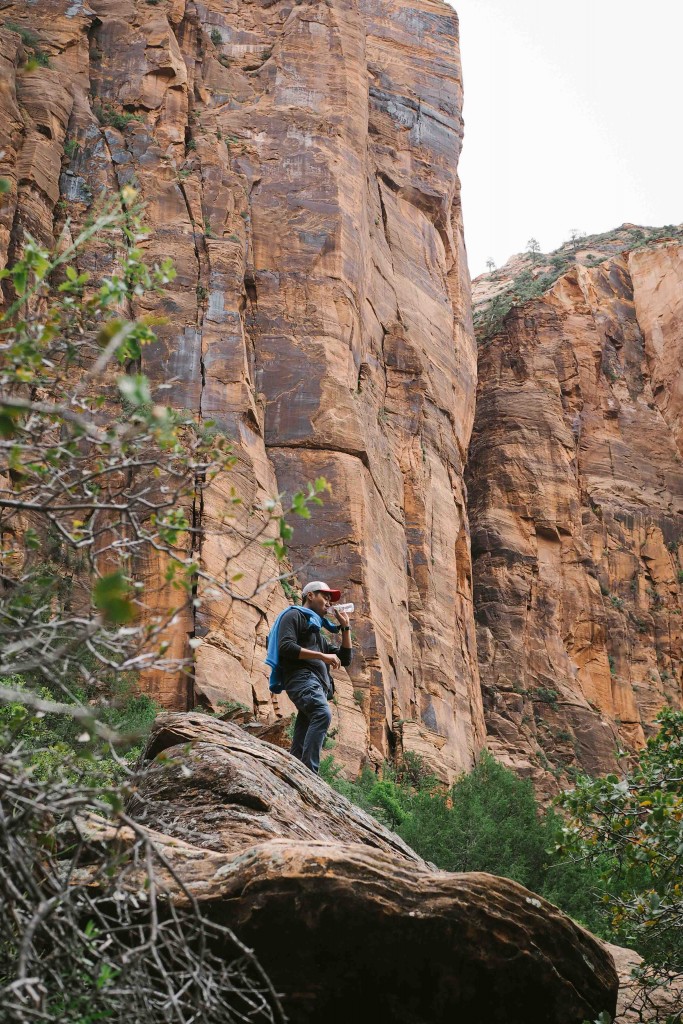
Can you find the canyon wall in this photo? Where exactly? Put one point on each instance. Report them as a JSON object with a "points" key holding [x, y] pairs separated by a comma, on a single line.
{"points": [[576, 510], [298, 162]]}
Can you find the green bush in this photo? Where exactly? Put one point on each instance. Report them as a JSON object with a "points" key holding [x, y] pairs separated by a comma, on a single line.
{"points": [[109, 117], [573, 884], [489, 820], [489, 320], [51, 740], [526, 286], [37, 57], [27, 37], [630, 828]]}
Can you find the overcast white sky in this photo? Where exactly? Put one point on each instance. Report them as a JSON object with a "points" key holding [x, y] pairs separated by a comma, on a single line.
{"points": [[572, 119]]}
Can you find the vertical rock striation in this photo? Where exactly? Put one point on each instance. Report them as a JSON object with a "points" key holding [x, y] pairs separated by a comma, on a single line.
{"points": [[576, 505], [364, 354], [298, 163]]}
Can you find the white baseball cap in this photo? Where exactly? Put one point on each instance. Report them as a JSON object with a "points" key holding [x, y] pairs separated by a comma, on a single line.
{"points": [[312, 588]]}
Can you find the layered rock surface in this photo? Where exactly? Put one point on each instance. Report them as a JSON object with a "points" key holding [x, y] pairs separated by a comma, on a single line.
{"points": [[347, 920], [576, 506], [298, 162]]}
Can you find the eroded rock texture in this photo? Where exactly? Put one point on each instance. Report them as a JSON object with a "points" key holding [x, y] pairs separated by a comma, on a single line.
{"points": [[298, 162], [348, 921], [637, 1003], [576, 505], [222, 789]]}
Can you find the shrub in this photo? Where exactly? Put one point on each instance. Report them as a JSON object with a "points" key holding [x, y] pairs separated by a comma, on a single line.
{"points": [[488, 820], [38, 57], [631, 829], [108, 116], [547, 695], [526, 286], [56, 739], [27, 37], [490, 320]]}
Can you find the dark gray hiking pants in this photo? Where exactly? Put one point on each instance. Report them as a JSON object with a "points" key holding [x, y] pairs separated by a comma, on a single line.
{"points": [[312, 720]]}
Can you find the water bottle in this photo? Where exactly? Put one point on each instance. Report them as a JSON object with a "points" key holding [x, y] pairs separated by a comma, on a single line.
{"points": [[347, 608]]}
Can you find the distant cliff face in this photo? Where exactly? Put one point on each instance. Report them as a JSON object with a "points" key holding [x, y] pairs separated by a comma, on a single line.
{"points": [[576, 510], [298, 162]]}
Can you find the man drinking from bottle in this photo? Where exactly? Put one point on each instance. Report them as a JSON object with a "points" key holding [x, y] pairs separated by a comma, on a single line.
{"points": [[302, 658]]}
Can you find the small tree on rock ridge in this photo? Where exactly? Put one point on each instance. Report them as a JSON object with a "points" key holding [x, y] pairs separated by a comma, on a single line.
{"points": [[533, 248]]}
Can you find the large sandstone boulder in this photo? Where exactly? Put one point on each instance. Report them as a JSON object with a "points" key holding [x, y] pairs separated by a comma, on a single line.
{"points": [[348, 921], [212, 784]]}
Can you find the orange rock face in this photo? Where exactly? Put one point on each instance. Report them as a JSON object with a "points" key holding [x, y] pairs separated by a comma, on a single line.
{"points": [[298, 162], [576, 510]]}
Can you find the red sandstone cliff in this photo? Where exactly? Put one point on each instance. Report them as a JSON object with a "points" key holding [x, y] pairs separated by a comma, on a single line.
{"points": [[298, 162], [576, 510]]}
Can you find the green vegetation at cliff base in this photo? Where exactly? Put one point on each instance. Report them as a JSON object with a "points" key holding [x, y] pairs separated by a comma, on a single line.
{"points": [[611, 859], [52, 743]]}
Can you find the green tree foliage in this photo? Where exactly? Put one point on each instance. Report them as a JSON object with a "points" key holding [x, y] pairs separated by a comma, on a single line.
{"points": [[631, 827], [50, 741], [489, 319], [488, 820]]}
